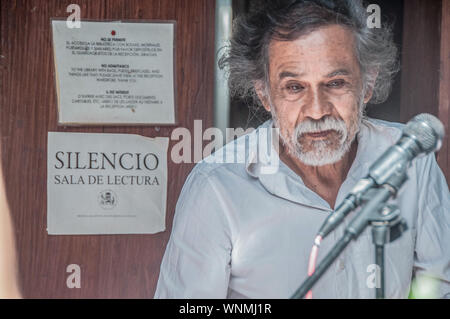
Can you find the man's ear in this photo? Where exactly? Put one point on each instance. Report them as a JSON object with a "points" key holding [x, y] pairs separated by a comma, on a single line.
{"points": [[261, 92], [368, 95], [373, 75]]}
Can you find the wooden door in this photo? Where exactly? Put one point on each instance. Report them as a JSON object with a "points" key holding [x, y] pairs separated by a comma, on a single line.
{"points": [[426, 66], [112, 266]]}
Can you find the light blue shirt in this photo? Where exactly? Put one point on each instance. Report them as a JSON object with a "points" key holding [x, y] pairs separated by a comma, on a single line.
{"points": [[240, 233]]}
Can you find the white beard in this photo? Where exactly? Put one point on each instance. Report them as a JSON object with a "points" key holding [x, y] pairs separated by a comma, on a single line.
{"points": [[320, 152]]}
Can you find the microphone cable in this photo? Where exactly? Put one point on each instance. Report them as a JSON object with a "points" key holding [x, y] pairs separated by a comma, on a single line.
{"points": [[313, 260]]}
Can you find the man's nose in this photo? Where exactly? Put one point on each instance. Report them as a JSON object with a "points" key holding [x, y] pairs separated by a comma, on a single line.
{"points": [[318, 106]]}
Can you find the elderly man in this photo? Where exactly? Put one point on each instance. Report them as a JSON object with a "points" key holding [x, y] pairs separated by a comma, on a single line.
{"points": [[242, 233]]}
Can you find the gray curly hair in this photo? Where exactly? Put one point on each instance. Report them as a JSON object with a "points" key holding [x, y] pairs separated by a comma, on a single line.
{"points": [[246, 61]]}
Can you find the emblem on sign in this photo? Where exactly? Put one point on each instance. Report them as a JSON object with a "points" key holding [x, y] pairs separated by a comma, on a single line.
{"points": [[107, 199]]}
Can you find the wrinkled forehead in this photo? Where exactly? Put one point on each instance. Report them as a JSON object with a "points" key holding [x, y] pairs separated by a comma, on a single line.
{"points": [[326, 48]]}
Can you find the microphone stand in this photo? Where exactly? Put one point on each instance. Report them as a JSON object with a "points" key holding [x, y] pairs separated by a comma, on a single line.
{"points": [[387, 225]]}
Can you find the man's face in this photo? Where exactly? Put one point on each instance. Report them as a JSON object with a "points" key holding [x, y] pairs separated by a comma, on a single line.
{"points": [[316, 94]]}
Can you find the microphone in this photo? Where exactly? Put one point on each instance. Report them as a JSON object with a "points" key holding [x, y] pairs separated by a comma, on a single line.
{"points": [[421, 135]]}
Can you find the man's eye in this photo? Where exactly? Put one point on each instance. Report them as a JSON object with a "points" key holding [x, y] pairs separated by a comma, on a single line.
{"points": [[336, 84], [294, 88]]}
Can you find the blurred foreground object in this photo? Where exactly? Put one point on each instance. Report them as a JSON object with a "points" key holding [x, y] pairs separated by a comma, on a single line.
{"points": [[9, 287], [424, 287]]}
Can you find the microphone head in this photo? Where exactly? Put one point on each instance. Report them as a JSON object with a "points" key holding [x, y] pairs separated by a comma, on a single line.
{"points": [[427, 130]]}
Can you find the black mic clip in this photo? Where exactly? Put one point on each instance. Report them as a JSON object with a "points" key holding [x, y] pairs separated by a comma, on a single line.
{"points": [[387, 225]]}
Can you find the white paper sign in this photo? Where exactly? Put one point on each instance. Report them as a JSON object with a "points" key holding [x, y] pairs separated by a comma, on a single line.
{"points": [[106, 183], [114, 73]]}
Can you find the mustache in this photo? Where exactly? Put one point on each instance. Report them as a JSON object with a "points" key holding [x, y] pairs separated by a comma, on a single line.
{"points": [[325, 124]]}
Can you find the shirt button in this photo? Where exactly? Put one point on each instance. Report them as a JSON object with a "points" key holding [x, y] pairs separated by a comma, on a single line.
{"points": [[341, 264]]}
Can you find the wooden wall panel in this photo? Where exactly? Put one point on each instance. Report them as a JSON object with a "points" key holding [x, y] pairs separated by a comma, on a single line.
{"points": [[424, 86], [444, 88], [112, 266], [420, 57]]}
